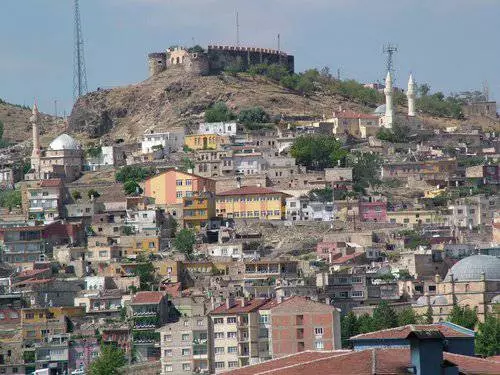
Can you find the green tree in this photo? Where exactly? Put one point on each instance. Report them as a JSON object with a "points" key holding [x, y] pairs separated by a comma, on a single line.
{"points": [[76, 195], [186, 164], [196, 49], [384, 316], [93, 193], [365, 170], [132, 188], [366, 324], [428, 317], [321, 195], [108, 362], [463, 316], [423, 89], [134, 173], [1, 130], [184, 242], [253, 115], [10, 199], [146, 272], [317, 152], [398, 134], [219, 112], [488, 336], [407, 316], [349, 328]]}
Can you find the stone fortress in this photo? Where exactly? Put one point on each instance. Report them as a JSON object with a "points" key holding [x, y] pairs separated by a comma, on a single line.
{"points": [[216, 59]]}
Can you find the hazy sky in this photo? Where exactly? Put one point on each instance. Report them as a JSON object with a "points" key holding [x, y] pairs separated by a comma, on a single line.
{"points": [[451, 44]]}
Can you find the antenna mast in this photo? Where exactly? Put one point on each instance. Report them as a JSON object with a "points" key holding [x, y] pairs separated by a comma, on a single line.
{"points": [[237, 29], [79, 69], [389, 49]]}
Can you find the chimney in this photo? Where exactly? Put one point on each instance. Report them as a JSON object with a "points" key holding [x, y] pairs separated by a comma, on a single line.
{"points": [[229, 302], [242, 301], [426, 352]]}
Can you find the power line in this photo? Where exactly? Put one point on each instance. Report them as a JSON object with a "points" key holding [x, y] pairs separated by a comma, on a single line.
{"points": [[79, 69]]}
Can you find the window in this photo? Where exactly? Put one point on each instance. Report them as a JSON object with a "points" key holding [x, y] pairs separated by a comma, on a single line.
{"points": [[186, 351], [232, 349], [185, 337], [231, 320], [218, 320], [186, 367], [256, 213], [219, 350], [188, 182], [219, 365], [169, 368], [232, 364], [231, 335], [219, 335], [178, 194], [167, 338], [167, 353], [343, 294], [406, 221], [263, 319], [318, 330], [319, 345], [356, 280], [178, 182], [357, 293], [199, 322]]}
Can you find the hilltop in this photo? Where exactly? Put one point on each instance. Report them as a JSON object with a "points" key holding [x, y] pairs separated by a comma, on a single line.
{"points": [[174, 98]]}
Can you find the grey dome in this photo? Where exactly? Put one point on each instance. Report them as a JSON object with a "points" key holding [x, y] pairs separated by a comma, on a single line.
{"points": [[471, 268], [64, 142], [439, 300], [422, 300], [380, 110], [496, 299]]}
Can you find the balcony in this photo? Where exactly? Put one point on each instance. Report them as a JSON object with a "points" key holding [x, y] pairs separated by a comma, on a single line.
{"points": [[243, 337]]}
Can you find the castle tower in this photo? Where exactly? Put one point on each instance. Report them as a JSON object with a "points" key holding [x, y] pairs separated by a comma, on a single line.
{"points": [[410, 94], [389, 111], [35, 154], [157, 63]]}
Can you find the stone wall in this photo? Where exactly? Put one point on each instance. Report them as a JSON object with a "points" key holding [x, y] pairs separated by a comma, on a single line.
{"points": [[157, 62], [148, 368]]}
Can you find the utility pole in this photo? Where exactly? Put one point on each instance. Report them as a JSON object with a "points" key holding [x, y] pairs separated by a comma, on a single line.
{"points": [[55, 108], [79, 69], [390, 49], [338, 74]]}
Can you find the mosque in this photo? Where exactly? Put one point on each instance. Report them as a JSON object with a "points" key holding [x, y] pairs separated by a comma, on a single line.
{"points": [[473, 281], [62, 159], [386, 111]]}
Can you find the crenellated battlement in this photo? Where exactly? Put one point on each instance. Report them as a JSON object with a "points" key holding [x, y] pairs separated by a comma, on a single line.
{"points": [[217, 58]]}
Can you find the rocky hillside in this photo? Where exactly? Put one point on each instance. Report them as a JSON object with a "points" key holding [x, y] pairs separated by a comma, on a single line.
{"points": [[175, 99]]}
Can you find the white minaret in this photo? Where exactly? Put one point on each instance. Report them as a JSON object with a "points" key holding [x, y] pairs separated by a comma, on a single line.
{"points": [[35, 154], [410, 94], [389, 111]]}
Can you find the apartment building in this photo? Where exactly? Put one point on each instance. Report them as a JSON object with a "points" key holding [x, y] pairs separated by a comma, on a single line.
{"points": [[372, 209], [206, 141], [474, 211], [43, 200], [220, 128], [299, 324], [185, 346], [171, 186], [198, 210], [252, 202], [414, 218], [168, 142]]}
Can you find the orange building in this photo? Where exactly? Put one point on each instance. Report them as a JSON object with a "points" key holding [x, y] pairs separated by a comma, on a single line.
{"points": [[171, 186], [197, 210]]}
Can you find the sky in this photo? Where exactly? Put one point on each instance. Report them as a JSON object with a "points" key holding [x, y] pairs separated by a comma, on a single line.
{"points": [[453, 45]]}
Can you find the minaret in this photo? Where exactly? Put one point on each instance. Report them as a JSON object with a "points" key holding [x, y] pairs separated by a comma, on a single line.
{"points": [[35, 154], [389, 112], [410, 94]]}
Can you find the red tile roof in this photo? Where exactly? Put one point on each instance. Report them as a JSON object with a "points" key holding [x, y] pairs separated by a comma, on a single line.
{"points": [[147, 297], [250, 190], [366, 362], [295, 304], [237, 307], [346, 258], [29, 273], [402, 332], [55, 182]]}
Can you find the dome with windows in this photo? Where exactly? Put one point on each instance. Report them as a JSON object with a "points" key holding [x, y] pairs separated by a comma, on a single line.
{"points": [[472, 268], [64, 142]]}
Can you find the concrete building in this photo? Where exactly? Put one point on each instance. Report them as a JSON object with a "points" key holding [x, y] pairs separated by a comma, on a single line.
{"points": [[252, 202], [299, 324], [43, 200], [108, 157], [167, 142], [359, 125], [422, 263], [206, 141], [220, 128], [372, 209], [185, 346], [474, 211], [171, 186], [198, 210]]}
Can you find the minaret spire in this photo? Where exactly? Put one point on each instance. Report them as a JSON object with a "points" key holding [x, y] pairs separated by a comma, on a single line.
{"points": [[389, 111], [410, 94], [35, 154]]}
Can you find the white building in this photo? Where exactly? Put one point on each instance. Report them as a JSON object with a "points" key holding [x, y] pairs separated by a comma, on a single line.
{"points": [[245, 163], [302, 209], [220, 128], [233, 250], [474, 211], [106, 159], [169, 142]]}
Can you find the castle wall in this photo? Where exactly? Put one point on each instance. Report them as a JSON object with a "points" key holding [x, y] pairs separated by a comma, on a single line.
{"points": [[221, 57], [197, 63], [157, 63]]}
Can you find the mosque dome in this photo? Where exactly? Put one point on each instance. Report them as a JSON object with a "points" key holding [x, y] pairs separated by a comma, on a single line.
{"points": [[496, 299], [472, 268], [380, 110], [64, 142], [422, 300], [439, 300]]}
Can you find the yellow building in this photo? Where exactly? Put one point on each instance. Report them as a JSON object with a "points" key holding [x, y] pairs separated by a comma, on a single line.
{"points": [[171, 186], [252, 202], [38, 323], [205, 141], [413, 218], [197, 210]]}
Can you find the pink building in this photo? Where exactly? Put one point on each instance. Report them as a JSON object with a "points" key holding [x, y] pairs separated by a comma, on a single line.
{"points": [[373, 209], [327, 251]]}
